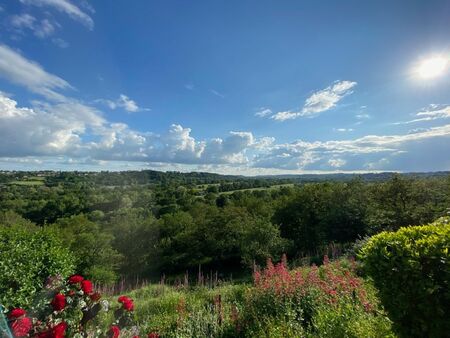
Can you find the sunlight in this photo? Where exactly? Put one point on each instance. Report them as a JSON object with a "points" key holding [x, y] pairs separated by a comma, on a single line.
{"points": [[432, 67]]}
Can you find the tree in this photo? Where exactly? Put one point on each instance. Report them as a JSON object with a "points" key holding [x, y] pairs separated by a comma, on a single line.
{"points": [[95, 255]]}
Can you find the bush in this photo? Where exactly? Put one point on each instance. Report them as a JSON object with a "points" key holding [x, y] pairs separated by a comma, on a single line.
{"points": [[27, 258], [411, 269]]}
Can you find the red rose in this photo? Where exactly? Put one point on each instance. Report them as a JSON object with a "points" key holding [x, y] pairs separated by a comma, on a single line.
{"points": [[86, 286], [20, 327], [75, 279], [153, 335], [16, 313], [45, 334], [114, 332], [127, 303], [95, 296], [122, 299], [59, 302], [59, 331]]}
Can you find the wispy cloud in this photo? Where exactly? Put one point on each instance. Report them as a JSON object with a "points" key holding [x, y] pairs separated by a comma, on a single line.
{"points": [[215, 92], [189, 86], [67, 7], [21, 71], [20, 23], [123, 102], [319, 101], [433, 112], [263, 112], [343, 130]]}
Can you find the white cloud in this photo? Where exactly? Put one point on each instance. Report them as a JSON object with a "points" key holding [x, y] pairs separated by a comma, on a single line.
{"points": [[263, 112], [357, 153], [319, 101], [73, 129], [19, 70], [284, 115], [433, 112], [64, 6], [336, 162], [327, 98], [189, 86], [123, 102]]}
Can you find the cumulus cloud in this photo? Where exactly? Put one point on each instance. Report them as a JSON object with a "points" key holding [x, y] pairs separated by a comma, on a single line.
{"points": [[21, 71], [433, 112], [64, 6], [319, 101], [73, 129]]}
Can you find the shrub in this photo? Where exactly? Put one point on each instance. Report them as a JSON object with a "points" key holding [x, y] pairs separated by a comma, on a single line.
{"points": [[27, 258], [411, 269]]}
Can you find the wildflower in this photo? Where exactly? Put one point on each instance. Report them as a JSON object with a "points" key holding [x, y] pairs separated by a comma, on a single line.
{"points": [[75, 279], [86, 286], [59, 302]]}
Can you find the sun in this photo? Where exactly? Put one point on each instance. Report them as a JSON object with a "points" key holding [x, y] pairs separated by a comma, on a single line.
{"points": [[432, 67]]}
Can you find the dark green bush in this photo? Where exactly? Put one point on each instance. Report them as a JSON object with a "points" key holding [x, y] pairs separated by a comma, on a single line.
{"points": [[27, 259], [411, 269]]}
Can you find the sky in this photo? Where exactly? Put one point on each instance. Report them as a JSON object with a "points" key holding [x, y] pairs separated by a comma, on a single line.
{"points": [[250, 87]]}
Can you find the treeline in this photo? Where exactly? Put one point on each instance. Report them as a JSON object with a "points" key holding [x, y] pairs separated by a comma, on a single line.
{"points": [[167, 227]]}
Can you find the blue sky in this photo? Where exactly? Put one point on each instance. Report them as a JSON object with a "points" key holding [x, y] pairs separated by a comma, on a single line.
{"points": [[241, 87]]}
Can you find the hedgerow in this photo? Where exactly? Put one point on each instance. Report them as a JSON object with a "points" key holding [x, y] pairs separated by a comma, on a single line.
{"points": [[411, 269]]}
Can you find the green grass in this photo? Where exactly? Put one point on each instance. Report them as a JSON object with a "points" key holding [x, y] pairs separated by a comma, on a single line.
{"points": [[158, 307]]}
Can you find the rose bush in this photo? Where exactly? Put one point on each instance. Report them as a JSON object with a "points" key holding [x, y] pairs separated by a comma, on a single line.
{"points": [[71, 310]]}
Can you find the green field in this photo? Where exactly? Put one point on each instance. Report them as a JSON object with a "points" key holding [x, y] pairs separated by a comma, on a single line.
{"points": [[30, 181]]}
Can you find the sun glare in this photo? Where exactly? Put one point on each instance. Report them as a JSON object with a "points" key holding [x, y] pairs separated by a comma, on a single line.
{"points": [[432, 67]]}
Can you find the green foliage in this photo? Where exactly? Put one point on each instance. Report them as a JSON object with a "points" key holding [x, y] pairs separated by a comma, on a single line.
{"points": [[27, 259], [411, 269], [95, 256]]}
